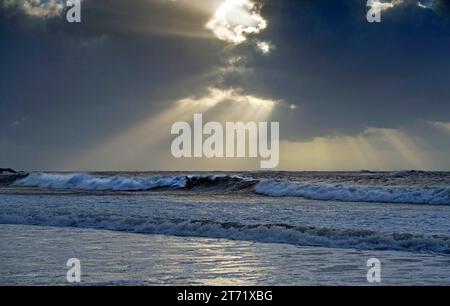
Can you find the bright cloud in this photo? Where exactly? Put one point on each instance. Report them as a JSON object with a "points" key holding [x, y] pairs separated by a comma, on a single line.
{"points": [[423, 5], [264, 47], [216, 96], [36, 8], [234, 20], [383, 5]]}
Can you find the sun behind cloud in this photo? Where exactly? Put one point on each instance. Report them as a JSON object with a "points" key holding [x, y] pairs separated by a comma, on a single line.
{"points": [[234, 20]]}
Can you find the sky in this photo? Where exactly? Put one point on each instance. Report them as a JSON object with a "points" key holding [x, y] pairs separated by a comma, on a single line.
{"points": [[103, 94]]}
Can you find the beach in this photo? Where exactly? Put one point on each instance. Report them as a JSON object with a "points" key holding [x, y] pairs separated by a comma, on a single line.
{"points": [[35, 255]]}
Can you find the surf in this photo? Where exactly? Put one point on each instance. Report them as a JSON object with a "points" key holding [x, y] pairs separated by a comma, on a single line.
{"points": [[349, 188]]}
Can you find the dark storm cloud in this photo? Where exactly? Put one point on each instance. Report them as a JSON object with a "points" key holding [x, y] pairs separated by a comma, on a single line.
{"points": [[139, 17], [64, 87], [79, 83], [117, 17], [346, 74], [442, 7]]}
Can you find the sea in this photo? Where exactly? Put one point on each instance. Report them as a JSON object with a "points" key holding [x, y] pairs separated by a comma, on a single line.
{"points": [[226, 228]]}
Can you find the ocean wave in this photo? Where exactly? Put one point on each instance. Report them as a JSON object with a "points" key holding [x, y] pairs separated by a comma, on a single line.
{"points": [[80, 181], [356, 193], [264, 233], [324, 191], [89, 182]]}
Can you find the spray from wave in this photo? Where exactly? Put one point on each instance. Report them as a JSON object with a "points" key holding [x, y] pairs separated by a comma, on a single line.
{"points": [[90, 182]]}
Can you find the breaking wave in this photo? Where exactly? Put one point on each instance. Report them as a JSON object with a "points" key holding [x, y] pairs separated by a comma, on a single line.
{"points": [[356, 193], [265, 233], [91, 182], [88, 182], [324, 191]]}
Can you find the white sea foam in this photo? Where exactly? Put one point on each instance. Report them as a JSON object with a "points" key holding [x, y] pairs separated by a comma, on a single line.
{"points": [[356, 193], [266, 233], [80, 181], [89, 182], [363, 189]]}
